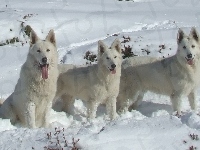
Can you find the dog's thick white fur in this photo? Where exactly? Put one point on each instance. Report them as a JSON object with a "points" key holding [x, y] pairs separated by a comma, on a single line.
{"points": [[58, 104], [31, 101], [175, 76], [95, 84], [138, 60], [62, 68]]}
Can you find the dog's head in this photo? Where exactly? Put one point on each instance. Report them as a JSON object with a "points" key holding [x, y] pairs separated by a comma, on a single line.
{"points": [[110, 57], [188, 46], [43, 51]]}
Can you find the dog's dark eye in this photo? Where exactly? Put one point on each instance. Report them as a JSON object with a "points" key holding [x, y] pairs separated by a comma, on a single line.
{"points": [[184, 47], [48, 50], [38, 51], [107, 57], [115, 57], [193, 46]]}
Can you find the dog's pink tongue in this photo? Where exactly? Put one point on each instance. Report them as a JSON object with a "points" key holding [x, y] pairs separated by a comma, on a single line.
{"points": [[113, 71], [190, 62], [44, 72]]}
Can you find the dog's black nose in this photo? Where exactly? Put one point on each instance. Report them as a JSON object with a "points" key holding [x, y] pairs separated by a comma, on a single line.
{"points": [[189, 55], [44, 60], [113, 66]]}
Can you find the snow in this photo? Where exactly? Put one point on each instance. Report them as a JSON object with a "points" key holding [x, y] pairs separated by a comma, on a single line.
{"points": [[78, 26]]}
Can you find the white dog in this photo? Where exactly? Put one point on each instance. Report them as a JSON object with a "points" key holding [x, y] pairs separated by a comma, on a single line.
{"points": [[174, 76], [95, 84], [31, 101]]}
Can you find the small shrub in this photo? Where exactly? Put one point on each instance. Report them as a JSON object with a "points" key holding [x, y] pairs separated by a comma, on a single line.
{"points": [[27, 16], [161, 47], [27, 30], [146, 50], [126, 39], [2, 44], [58, 141], [10, 41], [90, 57], [194, 137], [192, 148], [14, 39], [127, 52], [116, 34]]}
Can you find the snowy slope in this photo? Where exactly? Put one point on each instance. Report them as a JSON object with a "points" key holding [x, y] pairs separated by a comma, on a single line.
{"points": [[78, 26]]}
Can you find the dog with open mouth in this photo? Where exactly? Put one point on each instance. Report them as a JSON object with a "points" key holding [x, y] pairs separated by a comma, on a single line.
{"points": [[95, 84], [190, 59], [30, 103], [175, 76]]}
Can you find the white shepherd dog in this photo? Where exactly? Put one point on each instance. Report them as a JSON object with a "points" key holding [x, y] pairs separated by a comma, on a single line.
{"points": [[175, 76], [31, 101], [95, 84]]}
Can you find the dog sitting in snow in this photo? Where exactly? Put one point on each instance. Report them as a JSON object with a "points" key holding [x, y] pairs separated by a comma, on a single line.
{"points": [[31, 101]]}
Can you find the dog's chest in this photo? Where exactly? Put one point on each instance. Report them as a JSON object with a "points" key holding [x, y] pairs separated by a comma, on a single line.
{"points": [[184, 81], [42, 88], [107, 88]]}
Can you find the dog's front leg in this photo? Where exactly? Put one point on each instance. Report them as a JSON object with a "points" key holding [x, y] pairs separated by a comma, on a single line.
{"points": [[47, 115], [92, 109], [193, 101], [111, 107], [122, 104], [176, 102], [30, 115]]}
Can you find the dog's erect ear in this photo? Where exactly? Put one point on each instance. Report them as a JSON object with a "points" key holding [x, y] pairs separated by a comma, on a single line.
{"points": [[51, 37], [101, 47], [116, 45], [194, 34], [180, 35], [33, 37]]}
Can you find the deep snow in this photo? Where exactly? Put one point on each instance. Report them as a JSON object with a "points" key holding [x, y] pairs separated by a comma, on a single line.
{"points": [[78, 26]]}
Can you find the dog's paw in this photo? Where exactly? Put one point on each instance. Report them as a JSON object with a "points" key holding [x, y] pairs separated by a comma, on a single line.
{"points": [[122, 111], [178, 114]]}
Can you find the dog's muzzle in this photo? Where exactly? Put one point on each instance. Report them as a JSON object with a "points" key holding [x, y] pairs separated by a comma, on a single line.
{"points": [[190, 59], [113, 69]]}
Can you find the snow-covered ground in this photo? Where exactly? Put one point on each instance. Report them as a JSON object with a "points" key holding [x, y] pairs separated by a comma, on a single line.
{"points": [[78, 26]]}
